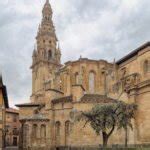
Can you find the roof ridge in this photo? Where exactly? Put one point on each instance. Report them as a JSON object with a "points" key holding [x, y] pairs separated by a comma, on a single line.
{"points": [[133, 52]]}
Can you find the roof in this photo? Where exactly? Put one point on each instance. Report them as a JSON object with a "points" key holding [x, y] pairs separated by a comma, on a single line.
{"points": [[54, 90], [12, 110], [133, 53], [35, 117], [30, 105], [87, 98], [62, 99], [79, 85], [4, 92], [86, 59], [1, 81], [96, 98]]}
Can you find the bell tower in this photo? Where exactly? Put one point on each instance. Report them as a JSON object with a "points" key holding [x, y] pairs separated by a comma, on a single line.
{"points": [[46, 56]]}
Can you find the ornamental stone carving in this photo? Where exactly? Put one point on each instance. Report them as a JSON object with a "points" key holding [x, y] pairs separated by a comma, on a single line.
{"points": [[126, 82], [130, 81], [116, 87]]}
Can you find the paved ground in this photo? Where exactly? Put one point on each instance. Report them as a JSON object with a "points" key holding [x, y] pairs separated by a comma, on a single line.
{"points": [[11, 148]]}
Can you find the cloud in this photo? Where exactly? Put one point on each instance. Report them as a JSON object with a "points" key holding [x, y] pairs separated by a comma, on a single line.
{"points": [[103, 29]]}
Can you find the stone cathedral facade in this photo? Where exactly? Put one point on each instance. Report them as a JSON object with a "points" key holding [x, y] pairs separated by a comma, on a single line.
{"points": [[59, 91]]}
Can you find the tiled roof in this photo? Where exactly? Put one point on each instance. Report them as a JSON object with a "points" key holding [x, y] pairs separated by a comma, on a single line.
{"points": [[87, 98], [96, 98], [35, 117], [12, 110], [133, 53], [85, 59], [62, 99], [30, 104], [55, 90]]}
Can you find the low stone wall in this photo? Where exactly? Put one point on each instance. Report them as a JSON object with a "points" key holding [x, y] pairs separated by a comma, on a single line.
{"points": [[113, 147]]}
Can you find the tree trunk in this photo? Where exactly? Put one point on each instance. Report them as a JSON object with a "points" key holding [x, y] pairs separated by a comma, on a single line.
{"points": [[105, 139], [126, 137]]}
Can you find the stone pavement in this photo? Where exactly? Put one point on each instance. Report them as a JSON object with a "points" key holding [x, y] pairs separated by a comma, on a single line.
{"points": [[11, 148]]}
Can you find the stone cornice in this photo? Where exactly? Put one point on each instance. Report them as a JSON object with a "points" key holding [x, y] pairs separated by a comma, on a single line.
{"points": [[30, 105], [144, 83], [86, 60], [45, 61], [139, 86], [55, 90], [38, 120], [65, 99], [79, 85]]}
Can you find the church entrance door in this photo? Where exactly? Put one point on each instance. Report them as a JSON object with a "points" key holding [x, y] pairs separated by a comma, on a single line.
{"points": [[14, 141]]}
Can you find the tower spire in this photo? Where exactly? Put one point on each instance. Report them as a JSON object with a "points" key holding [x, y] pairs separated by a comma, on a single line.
{"points": [[46, 36], [47, 11], [46, 56], [47, 1]]}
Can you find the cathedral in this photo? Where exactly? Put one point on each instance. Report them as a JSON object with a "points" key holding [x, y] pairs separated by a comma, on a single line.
{"points": [[59, 91]]}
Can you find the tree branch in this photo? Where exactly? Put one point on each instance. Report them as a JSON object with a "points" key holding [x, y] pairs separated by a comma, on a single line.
{"points": [[85, 123], [111, 131]]}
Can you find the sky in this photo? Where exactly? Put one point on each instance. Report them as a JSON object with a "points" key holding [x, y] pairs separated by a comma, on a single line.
{"points": [[97, 29]]}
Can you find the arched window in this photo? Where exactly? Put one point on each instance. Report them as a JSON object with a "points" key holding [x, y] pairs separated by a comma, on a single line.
{"points": [[49, 54], [146, 66], [7, 141], [43, 131], [91, 82], [57, 132], [67, 127], [57, 128], [25, 135], [45, 54], [67, 131], [42, 53], [76, 78], [34, 130]]}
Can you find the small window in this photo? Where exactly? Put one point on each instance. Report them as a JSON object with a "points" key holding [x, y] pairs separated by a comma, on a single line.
{"points": [[67, 127], [15, 119], [15, 131], [7, 128], [34, 130], [25, 135], [49, 54], [57, 132], [91, 82], [77, 78], [146, 66], [43, 131], [123, 72], [57, 128]]}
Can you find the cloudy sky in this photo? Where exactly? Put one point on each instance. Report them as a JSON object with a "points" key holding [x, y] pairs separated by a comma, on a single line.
{"points": [[98, 29]]}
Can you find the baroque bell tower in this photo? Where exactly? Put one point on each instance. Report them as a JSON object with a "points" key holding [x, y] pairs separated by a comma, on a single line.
{"points": [[46, 56]]}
